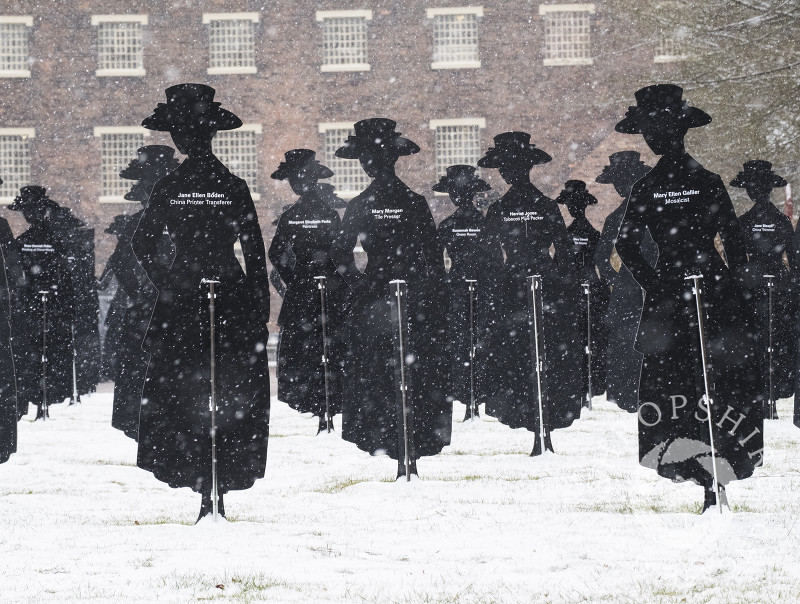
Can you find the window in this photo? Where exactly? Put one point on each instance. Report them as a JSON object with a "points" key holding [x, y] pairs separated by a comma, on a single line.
{"points": [[669, 50], [349, 178], [15, 161], [567, 33], [119, 44], [15, 46], [231, 46], [118, 146], [238, 150], [344, 40], [455, 37], [457, 142]]}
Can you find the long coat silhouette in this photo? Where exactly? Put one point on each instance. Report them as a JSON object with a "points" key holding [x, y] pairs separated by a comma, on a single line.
{"points": [[140, 296], [398, 234], [206, 209], [585, 239], [768, 236], [472, 256], [526, 223], [77, 243], [152, 163], [8, 389], [684, 207], [623, 361], [44, 258], [300, 251]]}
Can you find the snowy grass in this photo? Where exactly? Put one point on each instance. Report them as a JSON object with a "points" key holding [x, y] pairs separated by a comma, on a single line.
{"points": [[487, 523]]}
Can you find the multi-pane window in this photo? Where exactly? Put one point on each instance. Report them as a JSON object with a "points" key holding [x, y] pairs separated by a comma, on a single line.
{"points": [[567, 33], [118, 146], [15, 161], [344, 40], [238, 150], [455, 37], [349, 178], [669, 50], [119, 44], [231, 42], [15, 46], [458, 141]]}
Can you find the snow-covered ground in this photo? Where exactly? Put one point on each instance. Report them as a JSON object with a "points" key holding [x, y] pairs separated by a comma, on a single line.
{"points": [[80, 522]]}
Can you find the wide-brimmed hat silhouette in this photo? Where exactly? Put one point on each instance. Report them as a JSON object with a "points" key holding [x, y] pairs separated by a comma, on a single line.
{"points": [[118, 226], [152, 161], [575, 194], [191, 106], [377, 133], [461, 177], [32, 196], [513, 148], [758, 172], [661, 103], [299, 160], [623, 165]]}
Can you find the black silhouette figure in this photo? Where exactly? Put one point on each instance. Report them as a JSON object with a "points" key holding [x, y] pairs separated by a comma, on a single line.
{"points": [[472, 257], [526, 224], [300, 252], [115, 315], [44, 258], [623, 361], [152, 163], [8, 390], [684, 207], [206, 209], [585, 239], [768, 235], [398, 234], [78, 244], [274, 275]]}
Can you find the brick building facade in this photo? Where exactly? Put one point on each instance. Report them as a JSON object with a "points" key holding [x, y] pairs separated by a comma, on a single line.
{"points": [[299, 73]]}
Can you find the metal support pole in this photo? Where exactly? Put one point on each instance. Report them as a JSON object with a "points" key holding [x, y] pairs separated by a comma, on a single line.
{"points": [[473, 404], [323, 304], [212, 309], [697, 290], [589, 393], [770, 414], [44, 404], [75, 397], [537, 354], [398, 296]]}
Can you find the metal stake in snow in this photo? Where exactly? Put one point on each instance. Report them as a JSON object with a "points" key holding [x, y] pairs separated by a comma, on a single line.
{"points": [[588, 292], [323, 316], [75, 398], [472, 411], [537, 354], [212, 298], [771, 412], [44, 412], [398, 294], [698, 297]]}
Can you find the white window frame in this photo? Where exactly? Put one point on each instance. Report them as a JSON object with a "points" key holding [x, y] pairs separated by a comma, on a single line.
{"points": [[432, 13], [667, 58], [465, 121], [143, 21], [256, 129], [208, 19], [24, 133], [27, 21], [98, 132], [546, 9], [323, 128], [322, 15]]}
